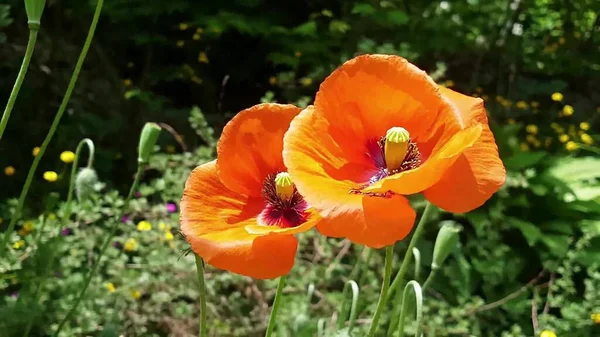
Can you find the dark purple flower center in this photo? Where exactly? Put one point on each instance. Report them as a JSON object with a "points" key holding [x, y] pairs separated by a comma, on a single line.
{"points": [[284, 213]]}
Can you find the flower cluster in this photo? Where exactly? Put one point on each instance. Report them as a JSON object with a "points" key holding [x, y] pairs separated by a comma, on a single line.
{"points": [[380, 129]]}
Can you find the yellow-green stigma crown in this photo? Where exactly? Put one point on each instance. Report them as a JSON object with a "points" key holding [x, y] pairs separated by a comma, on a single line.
{"points": [[284, 186], [396, 147]]}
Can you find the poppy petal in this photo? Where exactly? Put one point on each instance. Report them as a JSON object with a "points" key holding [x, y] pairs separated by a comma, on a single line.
{"points": [[251, 144], [433, 169], [478, 173], [377, 222], [213, 220], [372, 93], [325, 174]]}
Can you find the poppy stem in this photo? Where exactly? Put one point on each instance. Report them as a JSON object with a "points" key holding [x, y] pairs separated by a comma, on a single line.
{"points": [[276, 303], [387, 275], [200, 268], [399, 280]]}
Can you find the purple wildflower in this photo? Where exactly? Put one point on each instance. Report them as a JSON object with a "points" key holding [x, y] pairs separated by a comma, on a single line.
{"points": [[66, 231], [171, 207]]}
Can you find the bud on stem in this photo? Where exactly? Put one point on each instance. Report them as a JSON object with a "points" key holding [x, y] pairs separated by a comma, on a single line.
{"points": [[34, 9], [445, 243], [148, 139]]}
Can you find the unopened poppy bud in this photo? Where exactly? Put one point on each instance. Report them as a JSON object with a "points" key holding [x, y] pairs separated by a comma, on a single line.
{"points": [[284, 186], [84, 183], [446, 241], [34, 9], [148, 139], [396, 147]]}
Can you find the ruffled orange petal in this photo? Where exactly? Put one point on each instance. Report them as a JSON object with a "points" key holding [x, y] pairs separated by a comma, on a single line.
{"points": [[372, 93], [251, 144], [478, 173], [433, 169], [213, 220], [324, 174]]}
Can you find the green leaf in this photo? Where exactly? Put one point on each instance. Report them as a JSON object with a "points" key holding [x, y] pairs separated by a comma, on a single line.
{"points": [[558, 244], [577, 169], [363, 9], [307, 29], [523, 160], [337, 26], [397, 17], [530, 231]]}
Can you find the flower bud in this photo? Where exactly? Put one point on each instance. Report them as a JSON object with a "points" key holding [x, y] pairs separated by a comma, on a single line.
{"points": [[34, 9], [84, 183], [446, 241], [148, 139]]}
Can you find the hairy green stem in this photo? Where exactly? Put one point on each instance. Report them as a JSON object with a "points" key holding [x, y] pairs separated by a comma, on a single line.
{"points": [[53, 127], [33, 33], [105, 245], [414, 285], [399, 280], [64, 219], [429, 279], [202, 287], [387, 275], [276, 304]]}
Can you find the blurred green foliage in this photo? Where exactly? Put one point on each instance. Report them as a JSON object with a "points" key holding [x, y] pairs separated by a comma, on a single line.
{"points": [[528, 260]]}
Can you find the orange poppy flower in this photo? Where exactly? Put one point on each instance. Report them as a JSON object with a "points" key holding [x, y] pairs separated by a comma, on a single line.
{"points": [[380, 128], [239, 213]]}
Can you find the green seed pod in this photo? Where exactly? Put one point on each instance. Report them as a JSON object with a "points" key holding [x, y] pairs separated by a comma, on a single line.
{"points": [[34, 9], [84, 183], [445, 243], [148, 139]]}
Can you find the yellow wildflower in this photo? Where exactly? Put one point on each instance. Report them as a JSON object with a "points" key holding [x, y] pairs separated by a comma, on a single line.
{"points": [[557, 97], [127, 82], [35, 151], [511, 121], [306, 81], [196, 37], [568, 110], [563, 138], [547, 333], [9, 170], [272, 80], [584, 126], [561, 40], [67, 157], [202, 57], [449, 83], [19, 244], [168, 236], [130, 245], [531, 128], [50, 176], [587, 139], [571, 146], [162, 226], [524, 147], [183, 26], [144, 226], [170, 148], [28, 226], [522, 105], [135, 294], [180, 43], [547, 141], [535, 104], [199, 30], [531, 139], [110, 287], [298, 53], [51, 216], [596, 318]]}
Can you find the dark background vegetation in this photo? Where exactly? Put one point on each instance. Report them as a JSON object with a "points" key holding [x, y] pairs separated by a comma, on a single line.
{"points": [[537, 241]]}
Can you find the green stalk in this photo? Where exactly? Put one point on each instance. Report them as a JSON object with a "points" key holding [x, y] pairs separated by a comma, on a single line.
{"points": [[419, 303], [64, 219], [105, 245], [53, 127], [429, 279], [387, 275], [399, 280], [33, 33], [351, 284], [200, 269], [276, 303]]}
